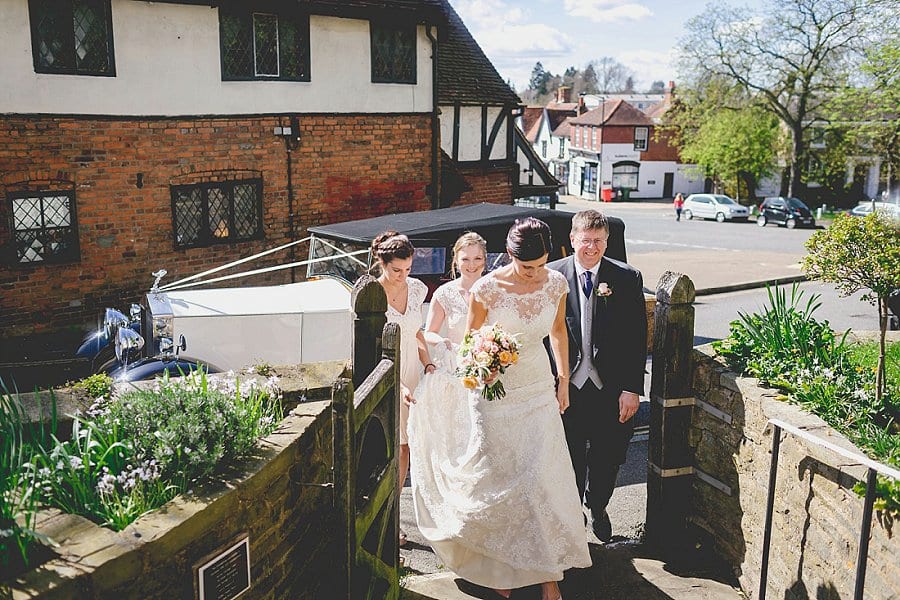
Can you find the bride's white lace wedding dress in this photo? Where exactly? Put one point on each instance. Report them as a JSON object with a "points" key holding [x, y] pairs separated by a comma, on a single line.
{"points": [[493, 486]]}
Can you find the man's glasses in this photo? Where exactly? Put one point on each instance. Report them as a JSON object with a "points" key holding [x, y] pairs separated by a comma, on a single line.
{"points": [[596, 242]]}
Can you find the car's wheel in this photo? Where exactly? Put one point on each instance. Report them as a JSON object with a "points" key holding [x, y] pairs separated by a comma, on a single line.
{"points": [[688, 215], [790, 223], [720, 217], [761, 220]]}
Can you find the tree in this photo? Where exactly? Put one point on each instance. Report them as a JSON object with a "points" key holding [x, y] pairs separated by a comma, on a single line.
{"points": [[589, 80], [860, 254], [611, 75], [792, 56], [865, 116], [657, 87], [539, 79], [629, 85], [719, 127]]}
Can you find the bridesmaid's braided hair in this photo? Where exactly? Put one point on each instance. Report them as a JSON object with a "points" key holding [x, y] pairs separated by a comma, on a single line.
{"points": [[389, 246], [529, 239]]}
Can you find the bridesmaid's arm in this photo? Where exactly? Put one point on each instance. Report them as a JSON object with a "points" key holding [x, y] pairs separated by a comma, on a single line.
{"points": [[433, 322], [559, 344], [424, 358]]}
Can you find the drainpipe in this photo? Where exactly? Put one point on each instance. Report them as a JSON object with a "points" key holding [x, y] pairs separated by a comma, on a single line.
{"points": [[435, 123], [291, 143]]}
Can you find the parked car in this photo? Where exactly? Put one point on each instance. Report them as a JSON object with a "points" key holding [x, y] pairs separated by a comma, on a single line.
{"points": [[714, 206], [789, 212], [177, 328], [888, 208]]}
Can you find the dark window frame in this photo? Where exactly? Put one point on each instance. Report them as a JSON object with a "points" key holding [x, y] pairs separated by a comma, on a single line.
{"points": [[298, 19], [74, 253], [391, 74], [645, 140], [204, 237], [36, 11]]}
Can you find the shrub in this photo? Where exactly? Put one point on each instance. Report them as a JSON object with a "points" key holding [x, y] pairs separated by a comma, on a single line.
{"points": [[134, 452], [785, 347]]}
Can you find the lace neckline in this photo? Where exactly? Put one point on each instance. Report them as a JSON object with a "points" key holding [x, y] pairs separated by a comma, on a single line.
{"points": [[542, 287]]}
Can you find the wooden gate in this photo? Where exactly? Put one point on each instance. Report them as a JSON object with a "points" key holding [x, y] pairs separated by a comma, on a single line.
{"points": [[366, 446]]}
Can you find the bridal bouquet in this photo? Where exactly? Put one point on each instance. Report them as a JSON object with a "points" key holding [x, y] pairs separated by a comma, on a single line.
{"points": [[483, 355]]}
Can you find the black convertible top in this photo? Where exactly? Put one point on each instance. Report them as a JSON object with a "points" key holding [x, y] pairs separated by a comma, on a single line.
{"points": [[441, 227]]}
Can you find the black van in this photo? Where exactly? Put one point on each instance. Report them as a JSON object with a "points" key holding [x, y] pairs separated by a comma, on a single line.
{"points": [[789, 212]]}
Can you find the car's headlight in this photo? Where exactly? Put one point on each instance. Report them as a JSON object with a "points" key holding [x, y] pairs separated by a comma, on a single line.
{"points": [[112, 321], [129, 344]]}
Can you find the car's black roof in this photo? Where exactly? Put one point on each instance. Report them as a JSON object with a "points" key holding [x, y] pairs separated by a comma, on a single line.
{"points": [[441, 227]]}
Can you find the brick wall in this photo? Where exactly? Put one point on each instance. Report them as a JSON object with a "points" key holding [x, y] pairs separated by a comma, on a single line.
{"points": [[346, 167], [660, 149], [488, 185], [295, 540], [817, 516]]}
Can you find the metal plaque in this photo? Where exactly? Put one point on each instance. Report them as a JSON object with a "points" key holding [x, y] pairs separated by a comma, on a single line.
{"points": [[225, 574]]}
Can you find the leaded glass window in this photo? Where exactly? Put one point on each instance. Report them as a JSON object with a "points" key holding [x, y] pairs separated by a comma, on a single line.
{"points": [[264, 46], [44, 229], [212, 213], [72, 36], [393, 53]]}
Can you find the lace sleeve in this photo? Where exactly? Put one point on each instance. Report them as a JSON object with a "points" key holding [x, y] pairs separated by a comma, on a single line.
{"points": [[557, 286], [440, 295], [418, 291], [485, 291]]}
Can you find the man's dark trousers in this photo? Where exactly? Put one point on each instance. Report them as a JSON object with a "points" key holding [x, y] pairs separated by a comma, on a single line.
{"points": [[597, 442]]}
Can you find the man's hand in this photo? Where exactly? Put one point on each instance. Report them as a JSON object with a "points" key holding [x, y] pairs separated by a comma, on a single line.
{"points": [[628, 405], [562, 396]]}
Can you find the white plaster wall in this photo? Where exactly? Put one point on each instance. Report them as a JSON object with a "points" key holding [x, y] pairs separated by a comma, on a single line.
{"points": [[167, 63], [470, 132], [688, 179]]}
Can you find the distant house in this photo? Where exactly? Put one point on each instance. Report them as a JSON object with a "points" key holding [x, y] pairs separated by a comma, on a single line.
{"points": [[186, 134], [614, 147]]}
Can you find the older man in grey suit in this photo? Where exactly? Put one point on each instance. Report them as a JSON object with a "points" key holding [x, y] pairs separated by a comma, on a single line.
{"points": [[607, 326]]}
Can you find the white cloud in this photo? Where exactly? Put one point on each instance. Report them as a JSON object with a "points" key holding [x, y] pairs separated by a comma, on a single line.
{"points": [[649, 65], [607, 11]]}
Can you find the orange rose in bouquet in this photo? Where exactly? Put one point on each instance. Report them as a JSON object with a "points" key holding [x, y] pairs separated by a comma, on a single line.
{"points": [[484, 355]]}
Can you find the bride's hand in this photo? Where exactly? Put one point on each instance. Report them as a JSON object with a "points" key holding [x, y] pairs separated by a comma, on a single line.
{"points": [[562, 396], [406, 396]]}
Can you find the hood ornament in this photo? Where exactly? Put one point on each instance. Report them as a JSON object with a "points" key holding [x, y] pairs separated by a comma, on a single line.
{"points": [[154, 289]]}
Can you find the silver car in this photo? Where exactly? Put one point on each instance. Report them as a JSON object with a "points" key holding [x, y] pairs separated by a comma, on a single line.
{"points": [[714, 206]]}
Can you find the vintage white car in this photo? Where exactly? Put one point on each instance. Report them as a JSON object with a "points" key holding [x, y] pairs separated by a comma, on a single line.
{"points": [[177, 327]]}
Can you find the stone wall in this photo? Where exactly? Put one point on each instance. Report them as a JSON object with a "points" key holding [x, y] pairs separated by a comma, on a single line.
{"points": [[275, 497], [817, 517]]}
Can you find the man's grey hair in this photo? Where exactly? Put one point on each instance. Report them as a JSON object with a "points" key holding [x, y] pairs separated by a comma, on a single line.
{"points": [[589, 219]]}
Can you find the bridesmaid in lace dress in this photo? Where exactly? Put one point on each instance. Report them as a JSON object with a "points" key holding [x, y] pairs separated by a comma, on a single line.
{"points": [[405, 295]]}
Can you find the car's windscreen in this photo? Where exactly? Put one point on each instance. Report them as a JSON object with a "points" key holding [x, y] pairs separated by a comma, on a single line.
{"points": [[724, 200], [336, 263], [797, 204]]}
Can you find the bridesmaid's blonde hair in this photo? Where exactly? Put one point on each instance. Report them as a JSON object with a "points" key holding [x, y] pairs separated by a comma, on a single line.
{"points": [[469, 238]]}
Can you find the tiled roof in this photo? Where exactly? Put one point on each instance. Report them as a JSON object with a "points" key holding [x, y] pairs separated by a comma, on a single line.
{"points": [[572, 106], [613, 112], [656, 111], [465, 74], [531, 122], [563, 129], [557, 116]]}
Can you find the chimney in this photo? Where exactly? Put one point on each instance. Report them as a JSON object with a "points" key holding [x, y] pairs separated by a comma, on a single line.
{"points": [[669, 93], [581, 107], [563, 94]]}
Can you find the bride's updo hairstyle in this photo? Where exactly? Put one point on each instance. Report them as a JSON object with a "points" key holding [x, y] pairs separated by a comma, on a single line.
{"points": [[529, 239], [389, 246], [469, 238]]}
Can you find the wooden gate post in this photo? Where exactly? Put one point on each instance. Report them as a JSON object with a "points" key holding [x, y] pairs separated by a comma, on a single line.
{"points": [[368, 303], [670, 469]]}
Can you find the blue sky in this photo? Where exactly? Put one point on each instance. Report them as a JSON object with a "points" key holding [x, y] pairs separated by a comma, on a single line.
{"points": [[641, 34]]}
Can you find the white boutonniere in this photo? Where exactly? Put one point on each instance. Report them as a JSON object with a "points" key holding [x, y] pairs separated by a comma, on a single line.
{"points": [[603, 291]]}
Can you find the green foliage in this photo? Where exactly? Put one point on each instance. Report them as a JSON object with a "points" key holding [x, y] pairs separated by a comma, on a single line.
{"points": [[98, 385], [731, 143], [18, 496], [785, 339], [857, 254], [785, 347], [134, 452]]}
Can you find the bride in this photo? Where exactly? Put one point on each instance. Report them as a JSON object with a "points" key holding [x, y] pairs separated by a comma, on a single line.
{"points": [[493, 489]]}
